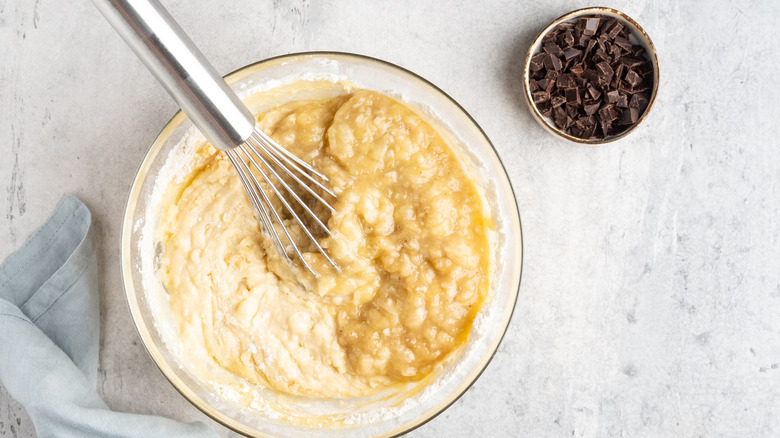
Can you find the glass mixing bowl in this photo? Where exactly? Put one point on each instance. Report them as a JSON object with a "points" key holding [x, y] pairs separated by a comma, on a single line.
{"points": [[385, 414]]}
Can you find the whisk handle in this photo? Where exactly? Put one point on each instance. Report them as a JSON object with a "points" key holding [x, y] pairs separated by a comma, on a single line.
{"points": [[182, 69]]}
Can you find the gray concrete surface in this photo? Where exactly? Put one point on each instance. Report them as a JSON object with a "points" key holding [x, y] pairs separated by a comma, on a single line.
{"points": [[650, 302]]}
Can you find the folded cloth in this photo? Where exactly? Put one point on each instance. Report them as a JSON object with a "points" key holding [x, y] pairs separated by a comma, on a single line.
{"points": [[50, 332]]}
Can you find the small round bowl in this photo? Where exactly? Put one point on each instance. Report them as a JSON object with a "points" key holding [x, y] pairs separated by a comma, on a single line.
{"points": [[638, 36], [388, 414]]}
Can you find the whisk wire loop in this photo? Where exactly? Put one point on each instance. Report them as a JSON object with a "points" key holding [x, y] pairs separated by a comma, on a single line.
{"points": [[257, 151]]}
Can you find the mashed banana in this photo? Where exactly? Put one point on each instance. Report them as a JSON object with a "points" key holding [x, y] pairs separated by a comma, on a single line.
{"points": [[409, 231]]}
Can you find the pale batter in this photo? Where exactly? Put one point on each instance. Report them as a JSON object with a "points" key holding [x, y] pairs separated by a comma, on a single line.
{"points": [[410, 234]]}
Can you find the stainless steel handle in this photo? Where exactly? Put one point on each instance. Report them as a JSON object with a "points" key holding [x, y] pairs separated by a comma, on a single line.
{"points": [[182, 69]]}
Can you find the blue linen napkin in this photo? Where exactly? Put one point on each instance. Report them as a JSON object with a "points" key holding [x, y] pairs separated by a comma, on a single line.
{"points": [[50, 332]]}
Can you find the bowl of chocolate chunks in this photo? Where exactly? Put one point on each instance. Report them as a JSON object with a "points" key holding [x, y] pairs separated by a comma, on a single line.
{"points": [[591, 76]]}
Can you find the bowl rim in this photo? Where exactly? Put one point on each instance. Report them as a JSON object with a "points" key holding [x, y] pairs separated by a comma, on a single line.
{"points": [[143, 331], [571, 15]]}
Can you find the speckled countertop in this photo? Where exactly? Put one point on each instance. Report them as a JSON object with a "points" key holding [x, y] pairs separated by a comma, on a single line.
{"points": [[650, 302]]}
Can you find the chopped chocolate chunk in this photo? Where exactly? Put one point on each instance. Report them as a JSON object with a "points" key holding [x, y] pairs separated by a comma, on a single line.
{"points": [[608, 113], [616, 52], [557, 101], [541, 96], [561, 121], [590, 44], [553, 49], [601, 56], [633, 79], [566, 25], [545, 84], [577, 69], [537, 62], [563, 81], [591, 108], [571, 52], [624, 43], [552, 62], [545, 108], [606, 127], [566, 81], [644, 68], [622, 100], [613, 96], [591, 75], [638, 101], [614, 29], [642, 87], [619, 71], [602, 42], [605, 71], [572, 96], [630, 62], [591, 26], [629, 116], [594, 92], [568, 38]]}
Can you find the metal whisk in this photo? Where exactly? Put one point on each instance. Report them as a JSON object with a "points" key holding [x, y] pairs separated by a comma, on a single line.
{"points": [[220, 115]]}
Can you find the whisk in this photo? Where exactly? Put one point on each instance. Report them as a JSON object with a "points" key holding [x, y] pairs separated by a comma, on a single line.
{"points": [[222, 118]]}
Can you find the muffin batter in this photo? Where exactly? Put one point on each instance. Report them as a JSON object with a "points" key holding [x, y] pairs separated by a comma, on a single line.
{"points": [[410, 233]]}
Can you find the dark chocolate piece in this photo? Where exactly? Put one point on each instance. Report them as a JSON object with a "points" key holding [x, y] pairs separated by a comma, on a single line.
{"points": [[644, 68], [631, 63], [590, 44], [594, 92], [561, 120], [571, 52], [591, 108], [619, 71], [622, 101], [553, 49], [566, 81], [605, 71], [552, 62], [629, 116], [557, 101], [568, 38], [537, 62], [545, 108], [613, 96], [572, 96], [614, 29], [638, 101], [624, 43], [633, 79], [616, 52], [602, 42], [608, 113], [549, 37], [540, 96], [606, 127], [591, 26]]}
